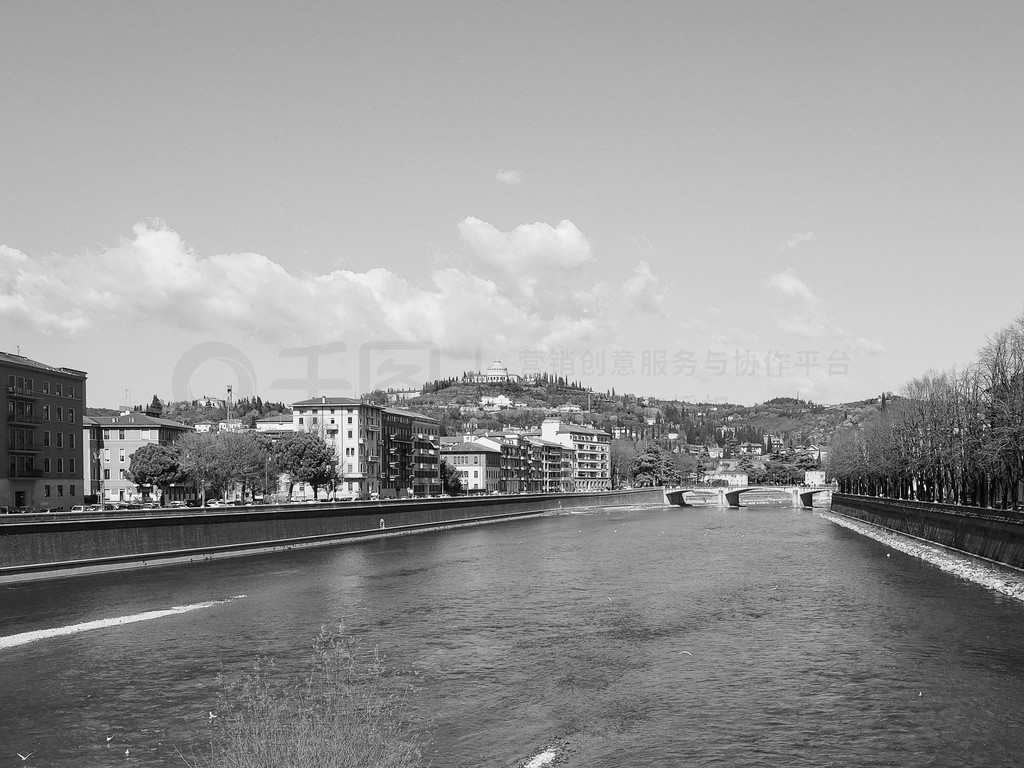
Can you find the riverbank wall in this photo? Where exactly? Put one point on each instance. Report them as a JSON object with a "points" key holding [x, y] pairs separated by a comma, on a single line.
{"points": [[40, 545], [993, 534]]}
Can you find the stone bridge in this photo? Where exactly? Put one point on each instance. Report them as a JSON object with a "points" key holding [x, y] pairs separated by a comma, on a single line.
{"points": [[799, 495]]}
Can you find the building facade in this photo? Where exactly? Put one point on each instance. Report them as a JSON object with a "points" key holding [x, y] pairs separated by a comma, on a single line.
{"points": [[478, 465], [381, 452], [41, 466], [110, 441], [592, 452]]}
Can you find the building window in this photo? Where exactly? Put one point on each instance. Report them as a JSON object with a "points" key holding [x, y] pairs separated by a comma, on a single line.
{"points": [[60, 490], [71, 439], [60, 414], [71, 468], [71, 393], [60, 439], [120, 474], [300, 420], [46, 387], [60, 466], [106, 455], [120, 455], [71, 415], [46, 439], [106, 434], [71, 491], [120, 434], [350, 434], [46, 464], [57, 390], [46, 413], [349, 419], [46, 491], [106, 474]]}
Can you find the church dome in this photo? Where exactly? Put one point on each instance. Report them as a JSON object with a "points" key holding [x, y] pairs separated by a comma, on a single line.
{"points": [[497, 369]]}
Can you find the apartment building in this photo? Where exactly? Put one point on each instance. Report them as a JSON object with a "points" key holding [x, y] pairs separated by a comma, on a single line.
{"points": [[41, 467], [413, 466], [478, 465], [381, 452], [592, 459], [110, 441]]}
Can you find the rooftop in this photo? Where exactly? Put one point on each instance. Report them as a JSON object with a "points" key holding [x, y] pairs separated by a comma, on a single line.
{"points": [[24, 362]]}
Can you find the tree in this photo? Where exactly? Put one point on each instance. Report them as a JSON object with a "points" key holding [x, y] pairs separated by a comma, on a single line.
{"points": [[306, 458], [451, 480], [622, 454], [156, 465], [654, 467], [202, 460]]}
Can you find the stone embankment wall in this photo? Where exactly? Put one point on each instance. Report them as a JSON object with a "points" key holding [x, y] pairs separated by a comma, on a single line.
{"points": [[991, 533], [32, 545]]}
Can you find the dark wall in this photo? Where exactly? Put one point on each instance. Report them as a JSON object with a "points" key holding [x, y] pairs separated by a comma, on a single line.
{"points": [[995, 534], [30, 543]]}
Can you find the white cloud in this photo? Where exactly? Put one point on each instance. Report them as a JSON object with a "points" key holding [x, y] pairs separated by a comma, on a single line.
{"points": [[644, 291], [799, 238], [788, 284], [509, 177], [811, 321], [528, 288]]}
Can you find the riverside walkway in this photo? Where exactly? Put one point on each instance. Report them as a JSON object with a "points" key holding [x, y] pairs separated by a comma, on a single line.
{"points": [[799, 495]]}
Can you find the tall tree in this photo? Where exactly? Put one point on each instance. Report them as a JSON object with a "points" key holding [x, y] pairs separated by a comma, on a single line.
{"points": [[155, 465], [306, 458]]}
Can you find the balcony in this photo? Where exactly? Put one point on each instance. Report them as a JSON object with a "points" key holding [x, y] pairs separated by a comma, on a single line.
{"points": [[23, 392], [24, 448], [28, 473], [23, 418]]}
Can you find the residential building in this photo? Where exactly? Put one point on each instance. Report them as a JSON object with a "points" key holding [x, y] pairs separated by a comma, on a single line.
{"points": [[367, 465], [551, 466], [478, 465], [732, 478], [400, 395], [515, 459], [41, 466], [412, 452], [814, 477], [108, 445], [592, 452], [275, 424]]}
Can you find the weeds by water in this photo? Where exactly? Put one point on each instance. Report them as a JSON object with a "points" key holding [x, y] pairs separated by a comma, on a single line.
{"points": [[348, 713]]}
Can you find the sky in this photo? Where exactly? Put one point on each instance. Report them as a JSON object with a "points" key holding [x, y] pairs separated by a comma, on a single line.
{"points": [[713, 201]]}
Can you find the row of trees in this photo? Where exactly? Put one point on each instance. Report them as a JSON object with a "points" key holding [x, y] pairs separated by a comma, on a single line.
{"points": [[955, 436], [216, 462]]}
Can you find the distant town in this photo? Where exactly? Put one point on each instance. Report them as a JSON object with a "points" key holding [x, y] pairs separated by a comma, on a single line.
{"points": [[485, 432]]}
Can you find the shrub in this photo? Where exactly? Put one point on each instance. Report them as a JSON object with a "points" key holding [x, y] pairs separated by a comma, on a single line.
{"points": [[348, 713]]}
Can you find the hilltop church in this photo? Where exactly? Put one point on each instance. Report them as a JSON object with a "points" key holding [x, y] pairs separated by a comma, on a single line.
{"points": [[495, 374]]}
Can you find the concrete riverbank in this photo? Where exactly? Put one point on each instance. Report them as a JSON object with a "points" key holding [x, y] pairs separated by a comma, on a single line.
{"points": [[993, 534], [40, 545]]}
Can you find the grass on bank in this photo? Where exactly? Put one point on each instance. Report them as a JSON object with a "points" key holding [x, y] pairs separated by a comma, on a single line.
{"points": [[348, 713]]}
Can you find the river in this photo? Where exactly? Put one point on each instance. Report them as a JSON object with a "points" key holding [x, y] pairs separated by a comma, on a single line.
{"points": [[764, 636]]}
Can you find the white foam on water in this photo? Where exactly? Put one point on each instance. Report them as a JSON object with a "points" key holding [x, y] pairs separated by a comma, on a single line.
{"points": [[543, 758], [1000, 578], [23, 638]]}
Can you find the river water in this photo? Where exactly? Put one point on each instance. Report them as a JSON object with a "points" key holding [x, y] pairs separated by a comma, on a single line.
{"points": [[644, 637]]}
